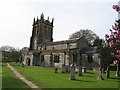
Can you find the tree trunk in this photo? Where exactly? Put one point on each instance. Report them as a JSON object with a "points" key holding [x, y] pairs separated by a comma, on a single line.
{"points": [[117, 71], [108, 71], [100, 74]]}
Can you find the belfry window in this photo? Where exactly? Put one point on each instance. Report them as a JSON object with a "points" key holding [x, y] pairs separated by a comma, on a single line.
{"points": [[35, 44]]}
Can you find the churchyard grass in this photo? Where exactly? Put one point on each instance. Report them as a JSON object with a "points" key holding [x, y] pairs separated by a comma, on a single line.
{"points": [[46, 78], [0, 75], [10, 81]]}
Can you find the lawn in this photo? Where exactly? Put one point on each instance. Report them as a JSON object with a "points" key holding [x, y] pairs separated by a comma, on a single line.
{"points": [[10, 81], [0, 55], [46, 78], [0, 75]]}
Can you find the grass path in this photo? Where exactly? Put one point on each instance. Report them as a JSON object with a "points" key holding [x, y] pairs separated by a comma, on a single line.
{"points": [[46, 78], [21, 77], [10, 81]]}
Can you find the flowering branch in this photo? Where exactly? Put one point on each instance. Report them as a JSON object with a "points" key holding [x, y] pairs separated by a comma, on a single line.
{"points": [[116, 7], [114, 38]]}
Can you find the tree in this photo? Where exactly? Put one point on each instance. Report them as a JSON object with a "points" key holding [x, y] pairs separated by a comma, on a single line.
{"points": [[113, 40], [8, 48], [9, 53], [98, 43], [88, 34], [104, 54]]}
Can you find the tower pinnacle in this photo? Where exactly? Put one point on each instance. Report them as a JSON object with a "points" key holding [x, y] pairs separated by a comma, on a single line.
{"points": [[42, 16], [37, 18], [52, 20], [48, 18], [34, 20]]}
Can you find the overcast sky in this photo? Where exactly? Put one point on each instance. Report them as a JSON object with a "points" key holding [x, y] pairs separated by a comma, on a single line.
{"points": [[16, 18]]}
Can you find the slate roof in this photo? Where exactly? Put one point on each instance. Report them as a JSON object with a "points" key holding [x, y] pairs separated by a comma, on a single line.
{"points": [[64, 41], [89, 50]]}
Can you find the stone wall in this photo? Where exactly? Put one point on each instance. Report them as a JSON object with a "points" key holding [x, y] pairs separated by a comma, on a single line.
{"points": [[65, 50], [95, 62], [47, 60]]}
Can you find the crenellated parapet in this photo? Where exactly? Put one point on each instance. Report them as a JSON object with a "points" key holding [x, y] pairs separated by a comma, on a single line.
{"points": [[42, 31], [42, 20]]}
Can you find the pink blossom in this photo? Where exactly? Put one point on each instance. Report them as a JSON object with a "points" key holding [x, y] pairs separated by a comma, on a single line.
{"points": [[106, 36], [118, 51], [118, 40], [116, 35], [111, 36], [119, 33], [116, 7], [111, 44], [115, 27], [116, 61]]}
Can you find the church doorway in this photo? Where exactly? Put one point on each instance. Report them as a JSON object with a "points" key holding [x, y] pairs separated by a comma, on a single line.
{"points": [[28, 61]]}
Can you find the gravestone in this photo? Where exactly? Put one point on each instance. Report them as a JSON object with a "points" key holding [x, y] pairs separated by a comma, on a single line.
{"points": [[100, 74], [63, 68], [84, 70], [55, 69], [72, 72], [80, 71], [67, 68]]}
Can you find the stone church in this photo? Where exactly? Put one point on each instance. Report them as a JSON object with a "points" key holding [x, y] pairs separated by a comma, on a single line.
{"points": [[46, 53]]}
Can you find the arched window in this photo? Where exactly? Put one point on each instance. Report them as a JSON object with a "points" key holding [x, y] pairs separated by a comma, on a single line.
{"points": [[28, 61], [90, 58], [56, 59]]}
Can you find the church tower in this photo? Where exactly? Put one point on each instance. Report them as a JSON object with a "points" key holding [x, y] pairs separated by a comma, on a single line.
{"points": [[42, 32]]}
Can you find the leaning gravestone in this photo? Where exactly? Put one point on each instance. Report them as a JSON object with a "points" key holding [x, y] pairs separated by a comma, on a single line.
{"points": [[72, 72], [63, 68]]}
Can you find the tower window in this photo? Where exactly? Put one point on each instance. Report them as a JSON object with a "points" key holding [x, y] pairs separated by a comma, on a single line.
{"points": [[35, 44]]}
